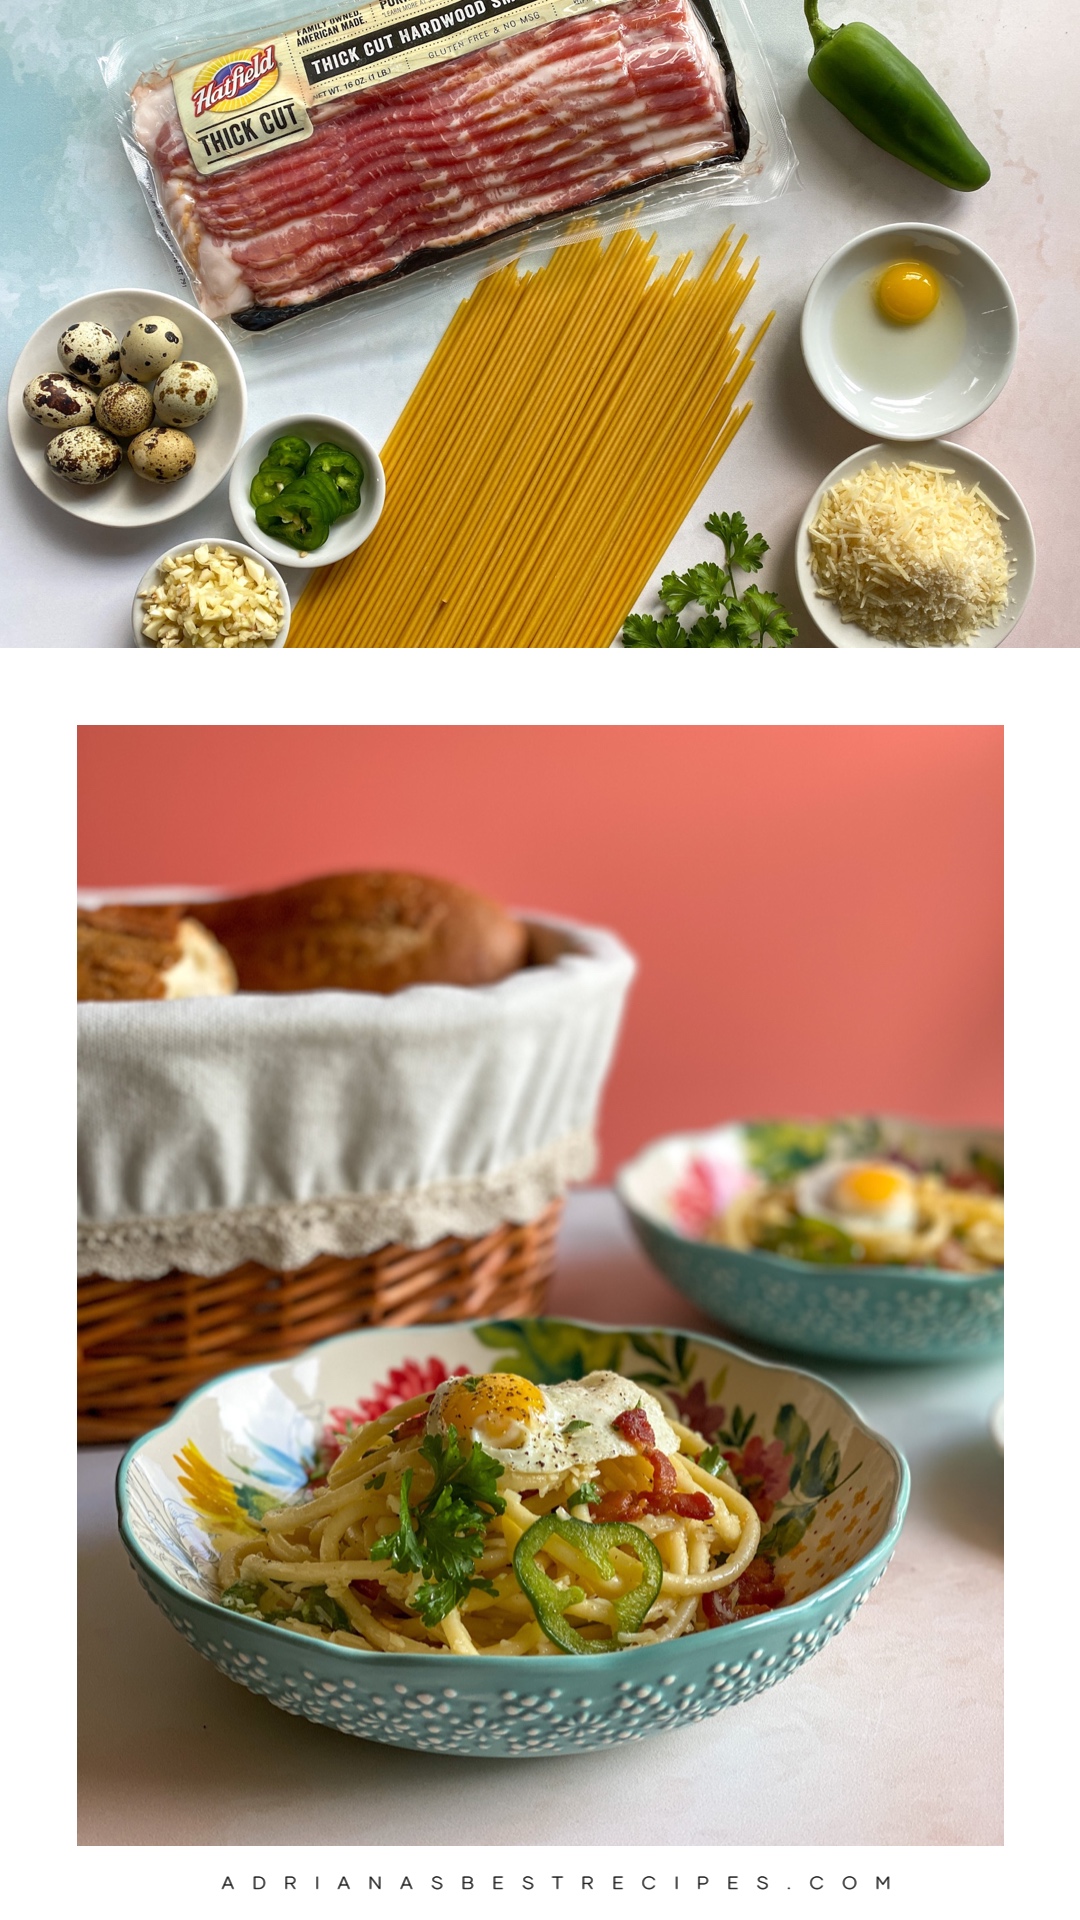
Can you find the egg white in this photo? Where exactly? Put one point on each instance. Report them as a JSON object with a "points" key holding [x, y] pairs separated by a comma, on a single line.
{"points": [[547, 1448]]}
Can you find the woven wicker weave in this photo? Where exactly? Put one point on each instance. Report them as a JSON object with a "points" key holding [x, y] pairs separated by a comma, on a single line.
{"points": [[145, 1344]]}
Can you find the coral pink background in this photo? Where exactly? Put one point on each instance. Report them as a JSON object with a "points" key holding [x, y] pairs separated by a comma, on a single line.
{"points": [[817, 911]]}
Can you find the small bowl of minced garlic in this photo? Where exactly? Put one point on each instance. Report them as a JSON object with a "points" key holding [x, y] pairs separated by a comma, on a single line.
{"points": [[211, 593]]}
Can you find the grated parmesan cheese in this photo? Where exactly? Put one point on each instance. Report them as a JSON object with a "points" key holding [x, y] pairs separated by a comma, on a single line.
{"points": [[911, 555]]}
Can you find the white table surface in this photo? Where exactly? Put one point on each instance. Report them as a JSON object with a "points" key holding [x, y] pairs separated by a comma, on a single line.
{"points": [[890, 1736], [80, 224]]}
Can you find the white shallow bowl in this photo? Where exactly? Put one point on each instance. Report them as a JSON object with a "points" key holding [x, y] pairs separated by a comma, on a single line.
{"points": [[967, 467], [125, 500], [346, 534], [985, 362], [187, 546]]}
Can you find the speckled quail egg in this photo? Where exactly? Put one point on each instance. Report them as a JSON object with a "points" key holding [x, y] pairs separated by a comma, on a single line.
{"points": [[90, 353], [84, 455], [185, 393], [58, 401], [862, 1197], [124, 409], [150, 346], [162, 455]]}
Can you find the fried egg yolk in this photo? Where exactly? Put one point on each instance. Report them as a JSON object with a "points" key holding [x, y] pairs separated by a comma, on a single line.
{"points": [[908, 292], [499, 1408], [869, 1190]]}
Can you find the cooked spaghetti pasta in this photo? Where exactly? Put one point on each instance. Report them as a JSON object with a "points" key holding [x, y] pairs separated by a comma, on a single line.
{"points": [[559, 436], [482, 1520]]}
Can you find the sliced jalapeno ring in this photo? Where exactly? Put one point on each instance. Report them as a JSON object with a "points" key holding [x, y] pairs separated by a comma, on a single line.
{"points": [[268, 483], [289, 450], [297, 516], [593, 1541], [343, 470]]}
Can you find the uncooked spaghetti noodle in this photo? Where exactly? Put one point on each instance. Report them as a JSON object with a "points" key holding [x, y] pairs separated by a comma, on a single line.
{"points": [[552, 448], [414, 1542]]}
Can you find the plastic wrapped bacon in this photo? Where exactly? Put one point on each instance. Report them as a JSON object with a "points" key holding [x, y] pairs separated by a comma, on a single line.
{"points": [[362, 184]]}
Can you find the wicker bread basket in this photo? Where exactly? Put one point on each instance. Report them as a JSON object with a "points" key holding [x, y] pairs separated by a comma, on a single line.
{"points": [[143, 1346], [224, 1220]]}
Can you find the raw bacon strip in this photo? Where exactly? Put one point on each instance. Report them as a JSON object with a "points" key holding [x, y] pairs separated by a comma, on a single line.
{"points": [[537, 124]]}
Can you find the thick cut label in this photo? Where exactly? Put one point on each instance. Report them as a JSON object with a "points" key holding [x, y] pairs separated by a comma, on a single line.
{"points": [[256, 99]]}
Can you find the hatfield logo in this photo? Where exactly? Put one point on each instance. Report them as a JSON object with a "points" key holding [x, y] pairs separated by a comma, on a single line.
{"points": [[245, 75]]}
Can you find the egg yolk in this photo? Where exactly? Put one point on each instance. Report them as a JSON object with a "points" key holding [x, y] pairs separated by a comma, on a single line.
{"points": [[908, 292], [502, 1406], [868, 1189]]}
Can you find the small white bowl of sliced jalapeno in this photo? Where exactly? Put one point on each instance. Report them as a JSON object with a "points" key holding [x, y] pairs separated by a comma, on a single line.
{"points": [[307, 490]]}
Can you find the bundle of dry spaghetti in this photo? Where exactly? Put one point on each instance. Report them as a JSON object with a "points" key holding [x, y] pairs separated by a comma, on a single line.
{"points": [[556, 441]]}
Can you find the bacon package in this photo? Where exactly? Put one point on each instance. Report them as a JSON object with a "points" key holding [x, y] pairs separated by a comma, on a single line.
{"points": [[328, 157]]}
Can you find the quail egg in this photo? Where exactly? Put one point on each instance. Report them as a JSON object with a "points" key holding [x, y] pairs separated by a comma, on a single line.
{"points": [[124, 409], [149, 346], [90, 353], [58, 401], [863, 1197], [84, 455], [185, 393], [162, 455]]}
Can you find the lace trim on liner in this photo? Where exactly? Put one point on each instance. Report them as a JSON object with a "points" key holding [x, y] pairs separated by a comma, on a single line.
{"points": [[291, 1234]]}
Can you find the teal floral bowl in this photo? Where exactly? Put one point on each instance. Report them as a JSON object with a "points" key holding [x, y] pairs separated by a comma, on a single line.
{"points": [[870, 1313], [830, 1492]]}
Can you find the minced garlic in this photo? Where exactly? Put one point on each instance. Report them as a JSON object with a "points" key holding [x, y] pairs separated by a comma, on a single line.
{"points": [[212, 597], [911, 555]]}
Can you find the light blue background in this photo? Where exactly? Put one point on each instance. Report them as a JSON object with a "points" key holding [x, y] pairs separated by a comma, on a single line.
{"points": [[75, 221]]}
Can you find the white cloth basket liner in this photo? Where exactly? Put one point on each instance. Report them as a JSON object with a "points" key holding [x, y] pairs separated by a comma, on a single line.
{"points": [[275, 1127]]}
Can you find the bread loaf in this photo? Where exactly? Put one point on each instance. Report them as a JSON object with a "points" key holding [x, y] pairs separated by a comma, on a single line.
{"points": [[369, 932], [149, 953]]}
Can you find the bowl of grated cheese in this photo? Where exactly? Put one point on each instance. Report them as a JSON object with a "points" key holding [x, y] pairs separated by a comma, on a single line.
{"points": [[915, 544], [211, 593]]}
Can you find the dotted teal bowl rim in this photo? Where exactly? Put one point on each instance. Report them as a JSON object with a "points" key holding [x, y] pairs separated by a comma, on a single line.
{"points": [[557, 1666], [753, 1261]]}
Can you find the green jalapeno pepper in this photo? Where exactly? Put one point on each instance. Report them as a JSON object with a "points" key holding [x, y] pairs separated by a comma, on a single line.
{"points": [[342, 469], [550, 1602], [298, 515], [882, 93], [269, 482], [289, 450]]}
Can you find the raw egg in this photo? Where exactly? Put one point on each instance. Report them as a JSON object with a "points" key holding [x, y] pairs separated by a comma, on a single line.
{"points": [[898, 333], [908, 292]]}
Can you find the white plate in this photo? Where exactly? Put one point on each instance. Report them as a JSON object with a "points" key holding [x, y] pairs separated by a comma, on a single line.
{"points": [[186, 546], [997, 1424], [967, 467], [347, 533], [986, 359], [127, 501]]}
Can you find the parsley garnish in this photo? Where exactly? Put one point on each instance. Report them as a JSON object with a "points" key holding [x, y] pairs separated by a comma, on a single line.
{"points": [[444, 1538], [376, 1483], [577, 1426], [584, 1496], [711, 1459], [727, 618]]}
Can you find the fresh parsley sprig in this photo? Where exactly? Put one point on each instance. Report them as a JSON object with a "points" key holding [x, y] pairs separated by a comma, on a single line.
{"points": [[444, 1538], [727, 618]]}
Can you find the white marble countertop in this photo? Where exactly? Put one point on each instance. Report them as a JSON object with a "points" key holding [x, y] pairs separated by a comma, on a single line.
{"points": [[79, 224], [890, 1736]]}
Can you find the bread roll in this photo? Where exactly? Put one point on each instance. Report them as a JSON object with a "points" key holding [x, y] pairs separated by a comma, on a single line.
{"points": [[369, 932], [149, 953]]}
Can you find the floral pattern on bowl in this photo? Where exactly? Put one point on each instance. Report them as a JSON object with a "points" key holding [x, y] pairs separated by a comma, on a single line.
{"points": [[830, 1492], [675, 1186]]}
